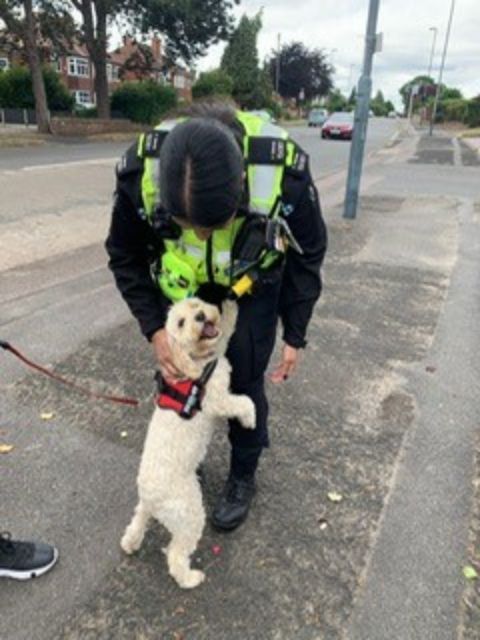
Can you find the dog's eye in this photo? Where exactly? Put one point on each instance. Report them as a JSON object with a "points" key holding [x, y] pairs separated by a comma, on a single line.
{"points": [[181, 322], [200, 317]]}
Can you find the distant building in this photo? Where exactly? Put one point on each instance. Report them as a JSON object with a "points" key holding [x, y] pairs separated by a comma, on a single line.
{"points": [[131, 62]]}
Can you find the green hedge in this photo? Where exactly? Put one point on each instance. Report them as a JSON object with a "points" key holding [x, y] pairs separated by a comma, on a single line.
{"points": [[459, 110], [16, 91], [473, 113], [213, 83], [143, 102]]}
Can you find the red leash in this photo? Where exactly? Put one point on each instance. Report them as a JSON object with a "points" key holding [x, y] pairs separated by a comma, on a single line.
{"points": [[100, 396]]}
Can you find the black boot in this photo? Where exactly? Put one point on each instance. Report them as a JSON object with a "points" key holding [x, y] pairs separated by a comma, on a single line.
{"points": [[234, 504]]}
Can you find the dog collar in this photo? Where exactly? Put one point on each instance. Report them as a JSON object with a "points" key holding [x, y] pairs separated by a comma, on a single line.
{"points": [[185, 396]]}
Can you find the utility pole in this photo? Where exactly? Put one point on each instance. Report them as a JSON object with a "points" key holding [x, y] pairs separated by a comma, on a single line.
{"points": [[432, 53], [361, 115], [277, 71], [440, 75]]}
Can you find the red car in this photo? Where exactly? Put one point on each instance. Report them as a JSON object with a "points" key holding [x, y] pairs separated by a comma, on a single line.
{"points": [[339, 125]]}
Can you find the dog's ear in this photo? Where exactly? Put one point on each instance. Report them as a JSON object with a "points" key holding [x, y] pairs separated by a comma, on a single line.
{"points": [[213, 294]]}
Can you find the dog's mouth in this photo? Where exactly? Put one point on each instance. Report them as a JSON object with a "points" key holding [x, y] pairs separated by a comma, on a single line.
{"points": [[209, 331]]}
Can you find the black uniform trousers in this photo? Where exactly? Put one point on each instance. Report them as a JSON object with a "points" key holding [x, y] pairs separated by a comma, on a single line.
{"points": [[249, 353]]}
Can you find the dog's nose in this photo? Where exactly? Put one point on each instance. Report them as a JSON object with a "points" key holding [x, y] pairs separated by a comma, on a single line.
{"points": [[200, 317]]}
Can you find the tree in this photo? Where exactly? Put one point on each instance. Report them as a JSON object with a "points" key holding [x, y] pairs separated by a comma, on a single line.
{"points": [[240, 61], [188, 27], [352, 100], [336, 101], [406, 89], [23, 28], [302, 69], [213, 83], [377, 104]]}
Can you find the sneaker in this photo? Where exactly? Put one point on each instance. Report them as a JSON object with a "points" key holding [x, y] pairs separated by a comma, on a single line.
{"points": [[25, 560], [234, 504]]}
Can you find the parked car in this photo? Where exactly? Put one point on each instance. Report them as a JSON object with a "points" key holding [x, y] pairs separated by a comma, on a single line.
{"points": [[338, 125], [317, 117]]}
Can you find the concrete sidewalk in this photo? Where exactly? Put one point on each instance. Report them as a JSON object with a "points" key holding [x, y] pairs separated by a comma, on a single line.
{"points": [[383, 412]]}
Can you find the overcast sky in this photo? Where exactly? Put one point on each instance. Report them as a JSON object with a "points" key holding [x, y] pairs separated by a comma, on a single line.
{"points": [[338, 27]]}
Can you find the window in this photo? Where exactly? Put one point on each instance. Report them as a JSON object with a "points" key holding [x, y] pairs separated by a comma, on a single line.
{"points": [[179, 82], [78, 67], [4, 64], [83, 97], [112, 72]]}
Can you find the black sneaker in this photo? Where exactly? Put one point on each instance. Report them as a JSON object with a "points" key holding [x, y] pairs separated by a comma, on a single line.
{"points": [[234, 504], [25, 560]]}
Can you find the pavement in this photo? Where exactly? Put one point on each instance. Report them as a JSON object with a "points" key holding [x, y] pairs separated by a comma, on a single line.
{"points": [[367, 509]]}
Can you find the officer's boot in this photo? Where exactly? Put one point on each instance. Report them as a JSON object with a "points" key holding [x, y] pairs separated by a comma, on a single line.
{"points": [[234, 503]]}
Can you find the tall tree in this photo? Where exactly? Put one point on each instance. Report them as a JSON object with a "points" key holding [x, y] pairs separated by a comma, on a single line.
{"points": [[23, 32], [187, 26], [240, 61], [302, 70]]}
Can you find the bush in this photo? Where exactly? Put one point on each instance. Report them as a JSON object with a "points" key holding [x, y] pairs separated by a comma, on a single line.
{"points": [[213, 83], [472, 117], [454, 110], [143, 102], [16, 90]]}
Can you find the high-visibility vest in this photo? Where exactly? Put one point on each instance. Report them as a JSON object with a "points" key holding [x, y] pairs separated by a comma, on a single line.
{"points": [[189, 262]]}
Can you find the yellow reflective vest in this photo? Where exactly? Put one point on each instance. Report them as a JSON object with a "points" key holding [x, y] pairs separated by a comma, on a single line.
{"points": [[189, 262]]}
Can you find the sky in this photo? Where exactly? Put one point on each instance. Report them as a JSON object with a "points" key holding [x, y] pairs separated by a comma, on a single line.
{"points": [[338, 27]]}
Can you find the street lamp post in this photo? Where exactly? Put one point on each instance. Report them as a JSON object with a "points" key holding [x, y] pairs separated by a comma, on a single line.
{"points": [[440, 75], [361, 114], [432, 53]]}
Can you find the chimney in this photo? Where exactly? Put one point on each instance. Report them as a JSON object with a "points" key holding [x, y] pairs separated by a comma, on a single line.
{"points": [[156, 48]]}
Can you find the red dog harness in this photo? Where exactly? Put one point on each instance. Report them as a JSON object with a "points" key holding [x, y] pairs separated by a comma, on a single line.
{"points": [[185, 396]]}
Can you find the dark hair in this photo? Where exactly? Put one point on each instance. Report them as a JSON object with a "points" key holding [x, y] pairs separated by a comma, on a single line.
{"points": [[201, 169]]}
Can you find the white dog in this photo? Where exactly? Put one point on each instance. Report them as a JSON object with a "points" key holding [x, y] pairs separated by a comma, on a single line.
{"points": [[168, 485]]}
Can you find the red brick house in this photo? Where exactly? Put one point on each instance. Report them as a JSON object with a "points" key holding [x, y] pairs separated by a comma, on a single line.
{"points": [[126, 63]]}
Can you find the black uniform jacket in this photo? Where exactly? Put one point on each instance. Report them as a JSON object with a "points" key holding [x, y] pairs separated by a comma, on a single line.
{"points": [[133, 247]]}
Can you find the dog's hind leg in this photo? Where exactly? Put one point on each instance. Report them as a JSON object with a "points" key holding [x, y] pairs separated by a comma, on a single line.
{"points": [[184, 517], [133, 536]]}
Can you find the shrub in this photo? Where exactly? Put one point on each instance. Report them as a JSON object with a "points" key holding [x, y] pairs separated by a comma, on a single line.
{"points": [[454, 110], [143, 101], [16, 90], [472, 117], [213, 83]]}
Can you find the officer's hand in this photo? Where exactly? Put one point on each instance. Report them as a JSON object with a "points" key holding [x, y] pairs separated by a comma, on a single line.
{"points": [[290, 358], [163, 353]]}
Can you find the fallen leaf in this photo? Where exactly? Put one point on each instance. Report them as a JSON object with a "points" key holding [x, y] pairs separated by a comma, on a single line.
{"points": [[470, 573], [333, 496], [47, 415], [178, 611], [124, 434], [430, 369], [6, 448], [323, 524], [216, 549]]}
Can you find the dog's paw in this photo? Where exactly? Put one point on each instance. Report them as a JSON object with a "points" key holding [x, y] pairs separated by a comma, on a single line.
{"points": [[247, 415], [130, 544], [191, 579]]}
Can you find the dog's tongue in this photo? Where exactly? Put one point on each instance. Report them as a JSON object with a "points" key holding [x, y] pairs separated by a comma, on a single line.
{"points": [[209, 330]]}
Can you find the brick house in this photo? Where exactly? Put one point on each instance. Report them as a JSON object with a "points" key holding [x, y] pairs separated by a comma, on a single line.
{"points": [[126, 63]]}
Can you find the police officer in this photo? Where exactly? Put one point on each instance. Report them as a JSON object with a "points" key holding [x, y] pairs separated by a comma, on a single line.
{"points": [[218, 203]]}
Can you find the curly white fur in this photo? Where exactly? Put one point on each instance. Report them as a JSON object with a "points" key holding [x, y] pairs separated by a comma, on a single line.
{"points": [[168, 486]]}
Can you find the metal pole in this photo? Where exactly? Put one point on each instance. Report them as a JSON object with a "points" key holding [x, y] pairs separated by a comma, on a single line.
{"points": [[361, 115], [435, 31], [440, 75], [277, 73]]}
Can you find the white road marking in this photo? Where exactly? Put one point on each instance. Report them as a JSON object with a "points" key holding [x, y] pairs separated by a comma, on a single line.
{"points": [[62, 165]]}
